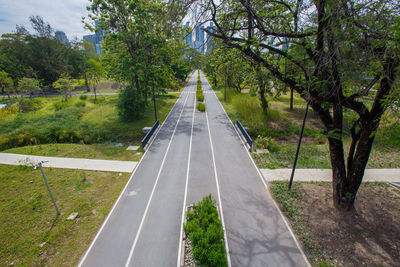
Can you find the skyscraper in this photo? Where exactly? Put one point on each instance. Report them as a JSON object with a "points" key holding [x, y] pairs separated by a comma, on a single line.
{"points": [[96, 38], [188, 38], [209, 37], [199, 43], [60, 35]]}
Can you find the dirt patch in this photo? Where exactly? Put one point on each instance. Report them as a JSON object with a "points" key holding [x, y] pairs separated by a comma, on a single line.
{"points": [[368, 236]]}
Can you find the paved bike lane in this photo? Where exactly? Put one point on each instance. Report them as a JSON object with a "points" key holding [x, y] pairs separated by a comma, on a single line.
{"points": [[256, 231], [137, 231]]}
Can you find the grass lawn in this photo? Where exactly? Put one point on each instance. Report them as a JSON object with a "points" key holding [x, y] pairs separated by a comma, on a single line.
{"points": [[84, 121], [279, 131], [368, 236], [95, 151], [31, 234]]}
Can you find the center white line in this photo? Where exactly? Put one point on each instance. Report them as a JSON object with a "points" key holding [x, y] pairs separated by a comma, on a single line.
{"points": [[154, 187]]}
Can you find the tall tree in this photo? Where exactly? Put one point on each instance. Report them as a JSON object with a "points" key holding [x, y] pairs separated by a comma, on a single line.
{"points": [[138, 37], [342, 49], [26, 85]]}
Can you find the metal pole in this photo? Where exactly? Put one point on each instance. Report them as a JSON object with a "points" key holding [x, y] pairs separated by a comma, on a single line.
{"points": [[298, 147], [155, 107], [48, 187]]}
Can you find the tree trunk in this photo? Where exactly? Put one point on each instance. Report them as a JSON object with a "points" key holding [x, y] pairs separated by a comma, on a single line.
{"points": [[291, 98], [87, 84], [264, 102]]}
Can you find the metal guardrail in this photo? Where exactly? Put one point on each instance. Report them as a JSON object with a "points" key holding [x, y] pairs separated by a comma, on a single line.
{"points": [[245, 134], [146, 139]]}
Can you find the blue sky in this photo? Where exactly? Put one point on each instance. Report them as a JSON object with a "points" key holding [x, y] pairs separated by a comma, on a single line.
{"points": [[63, 15]]}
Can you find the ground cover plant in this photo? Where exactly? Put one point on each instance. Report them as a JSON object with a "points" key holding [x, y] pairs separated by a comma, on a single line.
{"points": [[31, 234], [367, 237], [204, 229], [75, 121]]}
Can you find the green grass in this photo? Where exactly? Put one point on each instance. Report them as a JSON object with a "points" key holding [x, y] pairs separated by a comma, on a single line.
{"points": [[284, 126], [91, 123], [317, 156], [30, 232], [95, 151]]}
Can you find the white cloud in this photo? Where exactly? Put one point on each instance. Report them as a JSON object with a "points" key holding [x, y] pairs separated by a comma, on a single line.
{"points": [[62, 15]]}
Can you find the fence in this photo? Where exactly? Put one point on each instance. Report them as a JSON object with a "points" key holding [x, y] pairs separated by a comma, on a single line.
{"points": [[245, 134], [146, 139]]}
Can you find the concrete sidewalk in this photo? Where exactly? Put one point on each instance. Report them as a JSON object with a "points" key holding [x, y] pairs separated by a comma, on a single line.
{"points": [[325, 175], [69, 163]]}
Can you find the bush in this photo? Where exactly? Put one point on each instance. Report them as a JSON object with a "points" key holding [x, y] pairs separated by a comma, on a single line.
{"points": [[267, 143], [201, 107], [200, 98], [204, 229], [83, 97], [58, 105], [32, 104], [131, 104], [80, 104]]}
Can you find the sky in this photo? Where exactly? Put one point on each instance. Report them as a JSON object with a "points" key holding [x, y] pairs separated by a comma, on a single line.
{"points": [[63, 15]]}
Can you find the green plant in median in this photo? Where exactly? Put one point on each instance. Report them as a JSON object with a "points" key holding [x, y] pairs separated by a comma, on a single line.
{"points": [[201, 107], [204, 230]]}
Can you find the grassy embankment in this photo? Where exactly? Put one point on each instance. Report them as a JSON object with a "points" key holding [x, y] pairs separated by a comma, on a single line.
{"points": [[78, 121], [31, 234], [279, 132]]}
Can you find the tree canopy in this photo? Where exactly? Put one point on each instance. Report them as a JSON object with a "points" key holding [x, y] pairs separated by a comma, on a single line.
{"points": [[334, 54]]}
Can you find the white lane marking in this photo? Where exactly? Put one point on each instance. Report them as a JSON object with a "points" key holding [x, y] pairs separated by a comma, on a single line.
{"points": [[219, 194], [123, 190], [266, 186], [178, 264], [154, 187]]}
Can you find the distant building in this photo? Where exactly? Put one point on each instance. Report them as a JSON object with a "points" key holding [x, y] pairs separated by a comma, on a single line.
{"points": [[210, 28], [199, 42], [96, 38], [188, 38], [60, 35], [89, 38]]}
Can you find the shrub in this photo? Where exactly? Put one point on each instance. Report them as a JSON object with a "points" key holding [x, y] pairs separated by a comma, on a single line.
{"points": [[32, 104], [200, 97], [131, 104], [204, 229], [83, 97], [80, 104], [267, 143], [201, 107], [58, 105]]}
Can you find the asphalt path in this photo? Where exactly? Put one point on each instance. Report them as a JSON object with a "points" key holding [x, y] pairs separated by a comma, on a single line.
{"points": [[257, 233], [142, 229], [192, 155]]}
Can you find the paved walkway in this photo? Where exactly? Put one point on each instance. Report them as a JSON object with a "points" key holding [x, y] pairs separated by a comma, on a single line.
{"points": [[325, 175], [69, 163]]}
